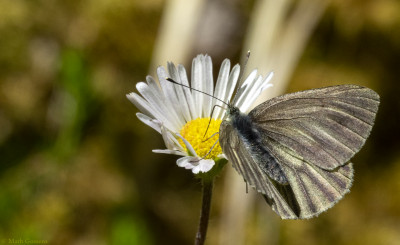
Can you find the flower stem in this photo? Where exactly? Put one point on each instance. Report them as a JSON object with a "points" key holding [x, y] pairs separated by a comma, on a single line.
{"points": [[205, 211]]}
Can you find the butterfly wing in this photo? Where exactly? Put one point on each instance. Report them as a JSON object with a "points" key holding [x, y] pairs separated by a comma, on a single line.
{"points": [[241, 160], [312, 134], [325, 126], [315, 189]]}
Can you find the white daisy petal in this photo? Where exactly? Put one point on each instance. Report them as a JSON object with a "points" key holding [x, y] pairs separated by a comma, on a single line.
{"points": [[141, 104], [167, 140], [153, 123], [188, 145], [167, 87], [173, 72], [249, 80], [268, 78], [265, 83], [172, 152], [221, 87], [208, 85], [170, 140], [265, 86], [203, 166], [155, 89], [222, 156], [173, 139], [172, 87], [197, 83], [244, 87], [188, 94], [248, 96], [163, 111], [196, 164], [154, 86], [232, 81], [171, 101], [187, 162], [258, 92]]}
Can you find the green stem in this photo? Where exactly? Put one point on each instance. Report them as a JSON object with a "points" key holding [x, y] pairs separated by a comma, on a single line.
{"points": [[205, 212]]}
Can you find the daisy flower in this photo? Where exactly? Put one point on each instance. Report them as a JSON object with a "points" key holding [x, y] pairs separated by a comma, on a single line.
{"points": [[181, 115]]}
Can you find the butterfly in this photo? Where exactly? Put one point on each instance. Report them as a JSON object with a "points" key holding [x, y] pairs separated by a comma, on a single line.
{"points": [[295, 149]]}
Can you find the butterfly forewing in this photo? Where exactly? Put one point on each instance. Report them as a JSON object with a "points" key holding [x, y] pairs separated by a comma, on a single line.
{"points": [[325, 126]]}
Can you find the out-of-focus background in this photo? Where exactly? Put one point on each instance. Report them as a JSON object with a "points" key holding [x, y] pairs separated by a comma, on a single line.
{"points": [[76, 165]]}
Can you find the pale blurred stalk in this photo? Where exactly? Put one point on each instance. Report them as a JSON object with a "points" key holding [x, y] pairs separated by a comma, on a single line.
{"points": [[176, 32], [276, 41]]}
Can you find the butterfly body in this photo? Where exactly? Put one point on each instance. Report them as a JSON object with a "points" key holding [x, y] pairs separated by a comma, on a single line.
{"points": [[251, 137], [295, 149]]}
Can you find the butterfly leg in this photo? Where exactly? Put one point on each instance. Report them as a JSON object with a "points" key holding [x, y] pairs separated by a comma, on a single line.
{"points": [[208, 153], [209, 122]]}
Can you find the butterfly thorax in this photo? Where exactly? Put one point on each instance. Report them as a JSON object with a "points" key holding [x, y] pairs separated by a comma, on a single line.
{"points": [[252, 139]]}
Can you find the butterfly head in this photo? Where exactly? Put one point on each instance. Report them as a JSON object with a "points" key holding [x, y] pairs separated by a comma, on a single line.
{"points": [[232, 111]]}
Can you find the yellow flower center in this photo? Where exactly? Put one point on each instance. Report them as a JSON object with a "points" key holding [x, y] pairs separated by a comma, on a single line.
{"points": [[194, 131]]}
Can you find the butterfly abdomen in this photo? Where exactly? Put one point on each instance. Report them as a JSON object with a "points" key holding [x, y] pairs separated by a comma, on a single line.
{"points": [[251, 138]]}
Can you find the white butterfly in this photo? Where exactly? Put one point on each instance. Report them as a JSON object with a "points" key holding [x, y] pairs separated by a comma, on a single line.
{"points": [[295, 149]]}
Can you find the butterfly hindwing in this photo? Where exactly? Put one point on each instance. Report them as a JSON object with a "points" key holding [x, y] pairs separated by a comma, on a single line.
{"points": [[315, 189], [310, 191]]}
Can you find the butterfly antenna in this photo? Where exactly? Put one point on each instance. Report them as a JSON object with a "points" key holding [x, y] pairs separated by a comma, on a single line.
{"points": [[183, 85], [210, 136], [209, 152], [241, 77], [209, 122], [243, 71]]}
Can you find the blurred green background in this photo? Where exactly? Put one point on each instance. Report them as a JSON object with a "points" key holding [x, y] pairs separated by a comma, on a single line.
{"points": [[76, 165]]}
